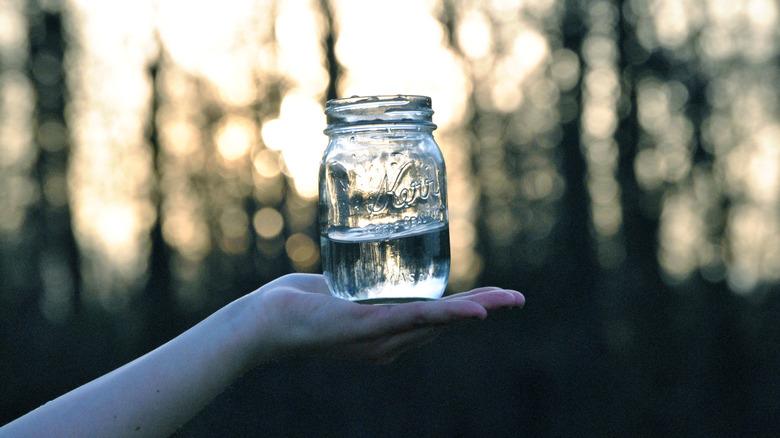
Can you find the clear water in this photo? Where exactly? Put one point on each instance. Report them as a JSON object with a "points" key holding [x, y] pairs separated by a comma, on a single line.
{"points": [[378, 266]]}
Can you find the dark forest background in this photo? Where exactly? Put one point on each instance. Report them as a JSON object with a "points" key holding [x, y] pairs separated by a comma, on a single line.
{"points": [[626, 179]]}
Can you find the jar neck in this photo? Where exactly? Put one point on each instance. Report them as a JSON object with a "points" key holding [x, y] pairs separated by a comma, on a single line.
{"points": [[383, 129], [372, 113]]}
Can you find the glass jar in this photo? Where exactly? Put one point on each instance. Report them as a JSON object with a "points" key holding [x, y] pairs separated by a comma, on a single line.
{"points": [[383, 201]]}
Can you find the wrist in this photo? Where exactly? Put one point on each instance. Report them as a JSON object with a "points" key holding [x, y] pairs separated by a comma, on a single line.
{"points": [[248, 325]]}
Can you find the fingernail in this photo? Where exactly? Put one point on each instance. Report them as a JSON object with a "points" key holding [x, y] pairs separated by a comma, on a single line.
{"points": [[519, 297]]}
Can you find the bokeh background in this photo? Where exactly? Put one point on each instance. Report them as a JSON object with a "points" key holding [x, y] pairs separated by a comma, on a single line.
{"points": [[617, 161]]}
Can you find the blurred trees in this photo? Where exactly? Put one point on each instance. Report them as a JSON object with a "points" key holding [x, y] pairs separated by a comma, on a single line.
{"points": [[616, 161]]}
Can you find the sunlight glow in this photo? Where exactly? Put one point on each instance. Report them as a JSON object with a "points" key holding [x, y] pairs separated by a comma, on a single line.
{"points": [[235, 137], [516, 90], [300, 144], [116, 225], [302, 251], [680, 235], [734, 43], [762, 169], [215, 40], [298, 30], [387, 56], [184, 231], [268, 223], [110, 166], [17, 152], [474, 35], [183, 155], [599, 122], [266, 162]]}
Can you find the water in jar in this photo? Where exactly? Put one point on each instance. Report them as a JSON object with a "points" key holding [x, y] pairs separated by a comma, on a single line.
{"points": [[388, 263]]}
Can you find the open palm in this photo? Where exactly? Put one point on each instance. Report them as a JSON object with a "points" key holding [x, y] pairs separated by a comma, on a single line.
{"points": [[301, 317]]}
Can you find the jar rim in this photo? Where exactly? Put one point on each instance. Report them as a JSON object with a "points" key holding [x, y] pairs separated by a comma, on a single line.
{"points": [[345, 103], [356, 111]]}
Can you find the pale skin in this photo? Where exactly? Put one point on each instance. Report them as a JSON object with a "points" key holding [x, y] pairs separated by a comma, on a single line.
{"points": [[293, 315]]}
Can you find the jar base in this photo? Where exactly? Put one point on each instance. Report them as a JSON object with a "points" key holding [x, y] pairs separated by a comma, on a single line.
{"points": [[393, 300]]}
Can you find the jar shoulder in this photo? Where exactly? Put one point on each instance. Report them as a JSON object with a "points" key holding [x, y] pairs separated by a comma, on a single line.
{"points": [[371, 147]]}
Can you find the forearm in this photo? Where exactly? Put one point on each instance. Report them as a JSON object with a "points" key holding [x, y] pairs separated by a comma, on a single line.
{"points": [[294, 314], [158, 392]]}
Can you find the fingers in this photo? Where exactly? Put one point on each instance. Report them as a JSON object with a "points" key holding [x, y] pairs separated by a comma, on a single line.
{"points": [[379, 320], [388, 319], [494, 299], [389, 348], [472, 292], [519, 299]]}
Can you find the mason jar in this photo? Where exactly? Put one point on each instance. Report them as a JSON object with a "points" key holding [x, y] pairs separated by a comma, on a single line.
{"points": [[383, 201]]}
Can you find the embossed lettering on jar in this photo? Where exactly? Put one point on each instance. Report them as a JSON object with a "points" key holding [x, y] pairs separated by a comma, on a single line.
{"points": [[383, 201]]}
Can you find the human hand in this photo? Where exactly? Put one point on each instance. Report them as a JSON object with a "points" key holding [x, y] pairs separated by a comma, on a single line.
{"points": [[296, 315]]}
